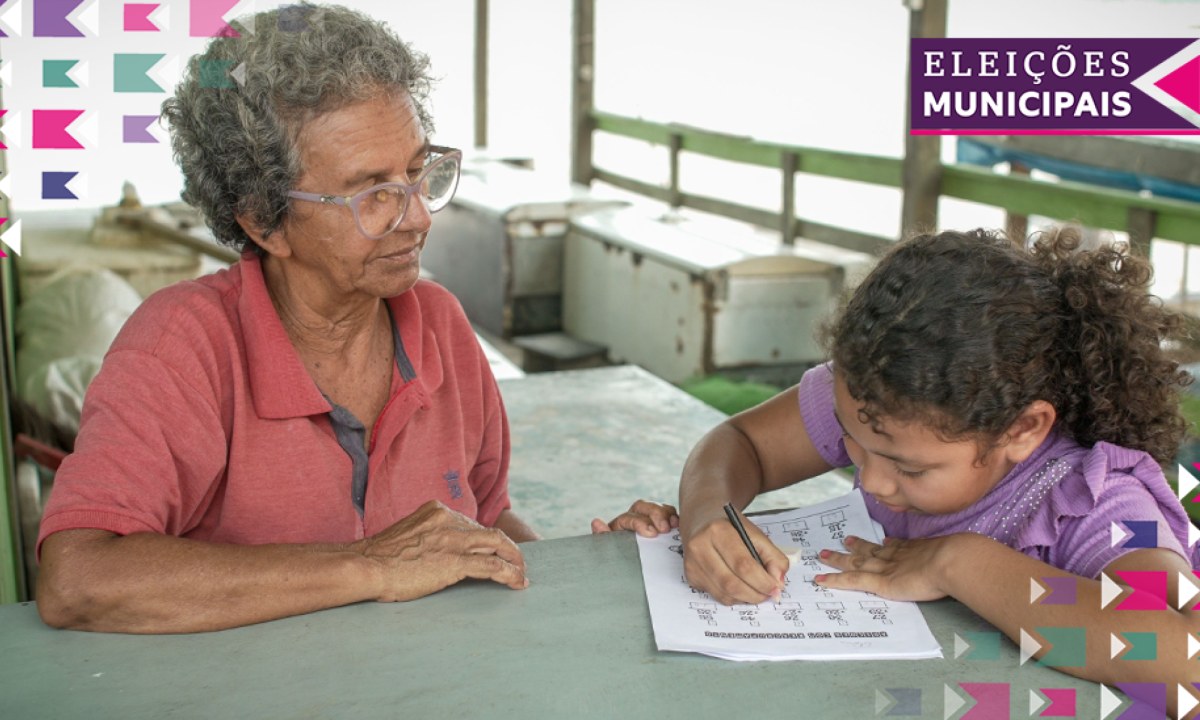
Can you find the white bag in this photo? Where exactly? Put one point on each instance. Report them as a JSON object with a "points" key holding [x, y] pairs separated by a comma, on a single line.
{"points": [[63, 332]]}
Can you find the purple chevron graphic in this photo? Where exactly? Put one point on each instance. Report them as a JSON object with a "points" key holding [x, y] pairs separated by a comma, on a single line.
{"points": [[1149, 701], [50, 18], [135, 131], [4, 34], [1145, 533], [1062, 590], [54, 186]]}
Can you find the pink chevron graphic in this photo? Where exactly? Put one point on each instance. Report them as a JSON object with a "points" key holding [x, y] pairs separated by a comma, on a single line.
{"points": [[991, 701], [206, 18], [50, 130], [137, 17], [1149, 589], [1062, 702], [1183, 84], [1197, 605]]}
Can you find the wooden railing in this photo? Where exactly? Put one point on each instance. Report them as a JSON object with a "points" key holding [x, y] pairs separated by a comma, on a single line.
{"points": [[1141, 216]]}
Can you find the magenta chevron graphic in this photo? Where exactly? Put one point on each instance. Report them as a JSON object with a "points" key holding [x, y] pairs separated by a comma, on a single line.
{"points": [[206, 18], [50, 130], [137, 17]]}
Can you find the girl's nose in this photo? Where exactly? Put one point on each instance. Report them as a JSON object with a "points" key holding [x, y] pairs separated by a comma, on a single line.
{"points": [[875, 481]]}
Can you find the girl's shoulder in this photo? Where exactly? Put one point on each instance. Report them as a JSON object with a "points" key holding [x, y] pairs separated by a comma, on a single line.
{"points": [[815, 396], [1110, 501]]}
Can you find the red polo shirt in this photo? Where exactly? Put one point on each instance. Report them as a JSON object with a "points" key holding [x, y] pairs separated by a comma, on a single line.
{"points": [[203, 423]]}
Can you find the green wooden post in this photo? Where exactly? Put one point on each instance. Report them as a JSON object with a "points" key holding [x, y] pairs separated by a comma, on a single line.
{"points": [[788, 161], [922, 153], [1141, 227], [582, 90], [676, 193], [12, 575], [481, 73]]}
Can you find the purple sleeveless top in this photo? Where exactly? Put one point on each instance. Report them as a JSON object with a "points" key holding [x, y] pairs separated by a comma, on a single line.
{"points": [[1057, 506]]}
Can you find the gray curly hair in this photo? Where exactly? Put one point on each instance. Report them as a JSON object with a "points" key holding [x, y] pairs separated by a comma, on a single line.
{"points": [[236, 139]]}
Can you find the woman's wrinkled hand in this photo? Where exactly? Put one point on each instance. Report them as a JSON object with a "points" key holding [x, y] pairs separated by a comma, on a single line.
{"points": [[646, 518], [436, 547], [717, 562], [896, 570]]}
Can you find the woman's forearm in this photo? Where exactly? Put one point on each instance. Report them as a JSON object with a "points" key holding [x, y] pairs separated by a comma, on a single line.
{"points": [[150, 583]]}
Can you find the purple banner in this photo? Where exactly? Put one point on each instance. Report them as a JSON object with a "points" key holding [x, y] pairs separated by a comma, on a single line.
{"points": [[1050, 86]]}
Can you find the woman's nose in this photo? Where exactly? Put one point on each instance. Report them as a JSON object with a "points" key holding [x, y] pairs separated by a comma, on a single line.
{"points": [[416, 216]]}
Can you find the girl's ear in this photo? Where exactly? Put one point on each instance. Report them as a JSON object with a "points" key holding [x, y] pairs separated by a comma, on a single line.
{"points": [[1029, 430], [273, 241]]}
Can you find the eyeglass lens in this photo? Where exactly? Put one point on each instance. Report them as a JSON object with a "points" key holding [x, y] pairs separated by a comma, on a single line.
{"points": [[381, 211]]}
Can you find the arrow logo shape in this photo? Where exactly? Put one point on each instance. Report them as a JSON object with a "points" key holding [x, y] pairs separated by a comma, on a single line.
{"points": [[10, 132], [954, 703], [12, 19], [1118, 535], [1117, 645], [1187, 481], [881, 701], [1109, 590], [1186, 702], [1035, 702], [1029, 646], [1035, 591], [1193, 646], [1108, 702], [960, 646], [11, 236], [1187, 589], [1183, 84]]}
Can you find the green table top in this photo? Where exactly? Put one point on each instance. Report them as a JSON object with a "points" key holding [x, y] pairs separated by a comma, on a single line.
{"points": [[577, 643]]}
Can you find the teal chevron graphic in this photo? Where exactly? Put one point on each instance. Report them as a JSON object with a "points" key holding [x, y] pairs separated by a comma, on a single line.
{"points": [[987, 645], [212, 74], [1069, 646], [54, 73], [129, 72], [1143, 646]]}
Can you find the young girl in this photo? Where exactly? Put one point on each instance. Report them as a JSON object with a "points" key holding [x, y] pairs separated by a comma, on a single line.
{"points": [[1003, 407]]}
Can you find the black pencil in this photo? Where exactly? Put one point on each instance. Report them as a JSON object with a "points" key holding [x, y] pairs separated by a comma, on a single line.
{"points": [[737, 524]]}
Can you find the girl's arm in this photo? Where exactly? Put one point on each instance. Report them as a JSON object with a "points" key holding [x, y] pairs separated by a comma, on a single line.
{"points": [[762, 449], [994, 580]]}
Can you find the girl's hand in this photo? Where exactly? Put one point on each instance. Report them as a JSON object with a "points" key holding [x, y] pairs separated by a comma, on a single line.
{"points": [[896, 570], [646, 518], [716, 561]]}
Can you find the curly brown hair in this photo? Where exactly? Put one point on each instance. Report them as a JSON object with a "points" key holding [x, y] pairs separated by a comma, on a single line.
{"points": [[963, 330]]}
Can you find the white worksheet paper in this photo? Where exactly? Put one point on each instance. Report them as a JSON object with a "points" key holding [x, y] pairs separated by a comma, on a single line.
{"points": [[809, 622]]}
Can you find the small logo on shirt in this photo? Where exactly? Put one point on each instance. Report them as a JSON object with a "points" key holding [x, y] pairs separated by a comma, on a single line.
{"points": [[451, 478]]}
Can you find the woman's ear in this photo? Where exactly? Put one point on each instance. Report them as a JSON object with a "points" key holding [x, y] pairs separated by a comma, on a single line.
{"points": [[273, 241], [1029, 430]]}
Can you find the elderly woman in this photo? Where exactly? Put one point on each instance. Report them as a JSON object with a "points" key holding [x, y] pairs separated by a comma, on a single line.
{"points": [[314, 426]]}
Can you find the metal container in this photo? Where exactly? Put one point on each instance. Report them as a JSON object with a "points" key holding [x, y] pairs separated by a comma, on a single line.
{"points": [[683, 302], [498, 246]]}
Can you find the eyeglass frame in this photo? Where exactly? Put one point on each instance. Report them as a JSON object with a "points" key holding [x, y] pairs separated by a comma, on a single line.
{"points": [[352, 201]]}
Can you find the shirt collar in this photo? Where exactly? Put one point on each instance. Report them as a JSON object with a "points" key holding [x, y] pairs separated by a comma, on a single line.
{"points": [[280, 384]]}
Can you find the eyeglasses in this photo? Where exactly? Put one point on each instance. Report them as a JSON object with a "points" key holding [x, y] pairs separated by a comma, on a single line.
{"points": [[380, 209]]}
